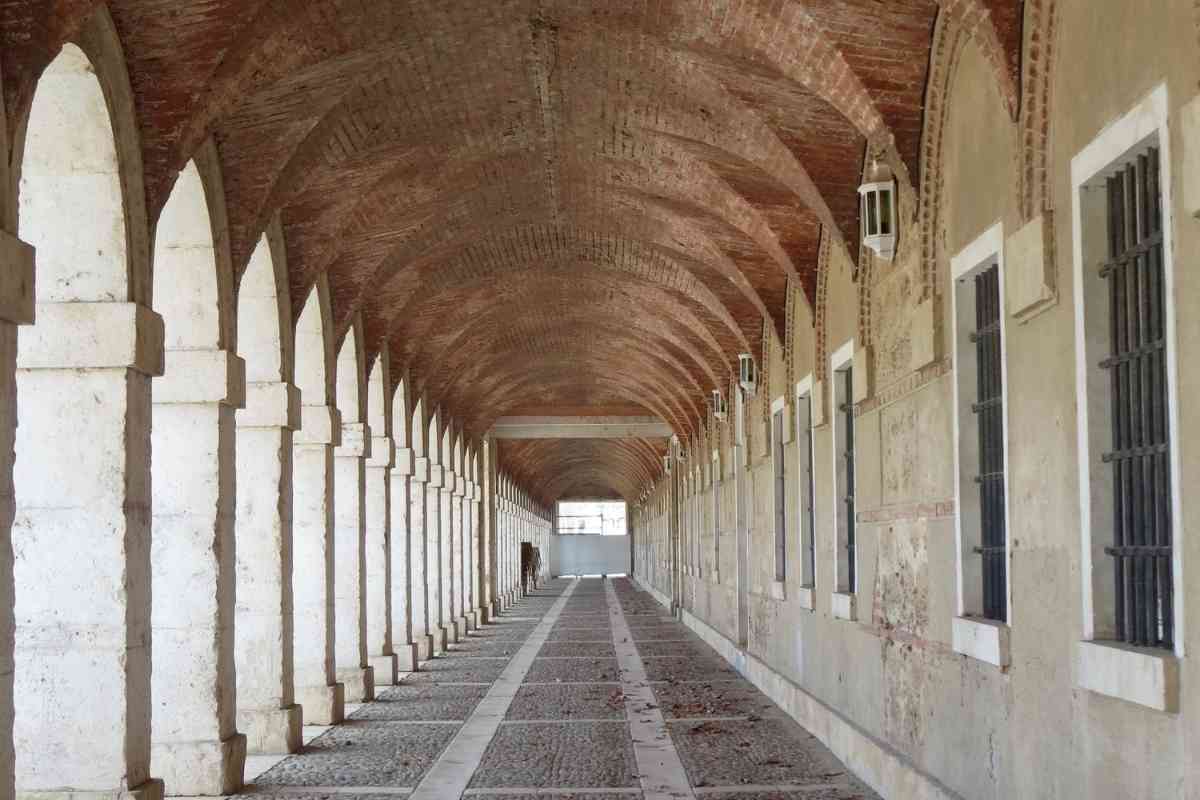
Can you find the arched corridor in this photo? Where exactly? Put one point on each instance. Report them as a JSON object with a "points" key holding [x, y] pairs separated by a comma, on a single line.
{"points": [[871, 323]]}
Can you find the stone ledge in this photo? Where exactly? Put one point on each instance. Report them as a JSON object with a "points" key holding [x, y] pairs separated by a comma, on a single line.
{"points": [[1138, 675], [403, 461], [982, 639], [843, 606], [270, 405], [382, 452], [319, 425], [202, 376], [355, 441], [17, 304], [805, 599], [93, 336]]}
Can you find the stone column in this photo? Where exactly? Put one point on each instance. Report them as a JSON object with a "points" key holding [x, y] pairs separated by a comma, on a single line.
{"points": [[317, 689], [458, 561], [16, 308], [433, 558], [470, 568], [418, 539], [446, 558], [481, 594], [349, 573], [81, 540], [266, 691], [378, 561], [401, 556], [196, 748]]}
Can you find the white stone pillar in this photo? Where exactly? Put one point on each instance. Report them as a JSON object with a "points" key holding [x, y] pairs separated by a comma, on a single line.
{"points": [[458, 562], [196, 748], [418, 538], [317, 689], [16, 308], [378, 561], [267, 712], [81, 540], [470, 570], [401, 555], [433, 558], [349, 581], [446, 565]]}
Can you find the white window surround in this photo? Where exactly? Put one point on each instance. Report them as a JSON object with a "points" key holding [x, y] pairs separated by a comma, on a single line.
{"points": [[778, 588], [804, 394], [842, 603], [1143, 676], [716, 512], [983, 639]]}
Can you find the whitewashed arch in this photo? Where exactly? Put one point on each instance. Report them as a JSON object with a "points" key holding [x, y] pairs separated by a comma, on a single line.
{"points": [[264, 311], [351, 384], [315, 364]]}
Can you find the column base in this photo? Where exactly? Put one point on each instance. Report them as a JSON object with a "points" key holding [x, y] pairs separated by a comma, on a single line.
{"points": [[384, 668], [323, 705], [484, 614], [441, 641], [201, 768], [460, 629], [359, 683], [424, 645], [150, 790], [272, 731], [473, 619], [407, 658]]}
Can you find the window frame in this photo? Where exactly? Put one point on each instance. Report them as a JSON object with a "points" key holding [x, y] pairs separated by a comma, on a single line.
{"points": [[973, 634], [845, 591], [716, 513], [806, 486], [1142, 675], [779, 439]]}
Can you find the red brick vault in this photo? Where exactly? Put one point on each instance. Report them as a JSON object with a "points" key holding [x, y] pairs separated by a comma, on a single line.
{"points": [[535, 205]]}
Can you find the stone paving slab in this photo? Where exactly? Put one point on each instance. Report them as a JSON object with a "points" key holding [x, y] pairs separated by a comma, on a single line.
{"points": [[577, 650], [580, 635], [651, 633], [568, 701], [765, 751], [360, 754], [572, 755], [687, 648], [675, 668], [722, 699], [422, 702], [461, 670], [575, 670]]}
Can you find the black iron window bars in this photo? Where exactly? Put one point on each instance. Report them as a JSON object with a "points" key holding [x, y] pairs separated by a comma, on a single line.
{"points": [[989, 420], [1137, 368]]}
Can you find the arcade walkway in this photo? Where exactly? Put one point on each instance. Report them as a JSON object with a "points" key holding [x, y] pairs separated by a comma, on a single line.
{"points": [[586, 689]]}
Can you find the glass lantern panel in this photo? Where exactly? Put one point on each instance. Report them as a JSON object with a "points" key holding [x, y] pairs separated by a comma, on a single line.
{"points": [[872, 214], [885, 211]]}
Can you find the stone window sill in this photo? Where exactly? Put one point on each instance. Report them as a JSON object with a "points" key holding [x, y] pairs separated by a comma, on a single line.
{"points": [[804, 597], [778, 590], [843, 606], [983, 640], [1138, 675]]}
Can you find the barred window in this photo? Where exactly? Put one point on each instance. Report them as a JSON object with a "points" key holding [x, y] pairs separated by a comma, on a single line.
{"points": [[1139, 455], [780, 489]]}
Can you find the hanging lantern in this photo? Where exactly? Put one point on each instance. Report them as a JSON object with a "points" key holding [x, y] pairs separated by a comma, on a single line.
{"points": [[747, 374], [879, 211], [718, 404]]}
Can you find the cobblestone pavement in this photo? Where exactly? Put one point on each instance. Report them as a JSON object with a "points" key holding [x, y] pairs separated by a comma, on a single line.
{"points": [[586, 689]]}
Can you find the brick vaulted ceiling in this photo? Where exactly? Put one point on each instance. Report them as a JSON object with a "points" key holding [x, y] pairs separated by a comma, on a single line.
{"points": [[535, 204]]}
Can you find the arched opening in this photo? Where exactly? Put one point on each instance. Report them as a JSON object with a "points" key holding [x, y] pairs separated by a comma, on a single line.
{"points": [[81, 533], [267, 712], [317, 689], [400, 545], [418, 536], [195, 748], [378, 512], [350, 457], [439, 533]]}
